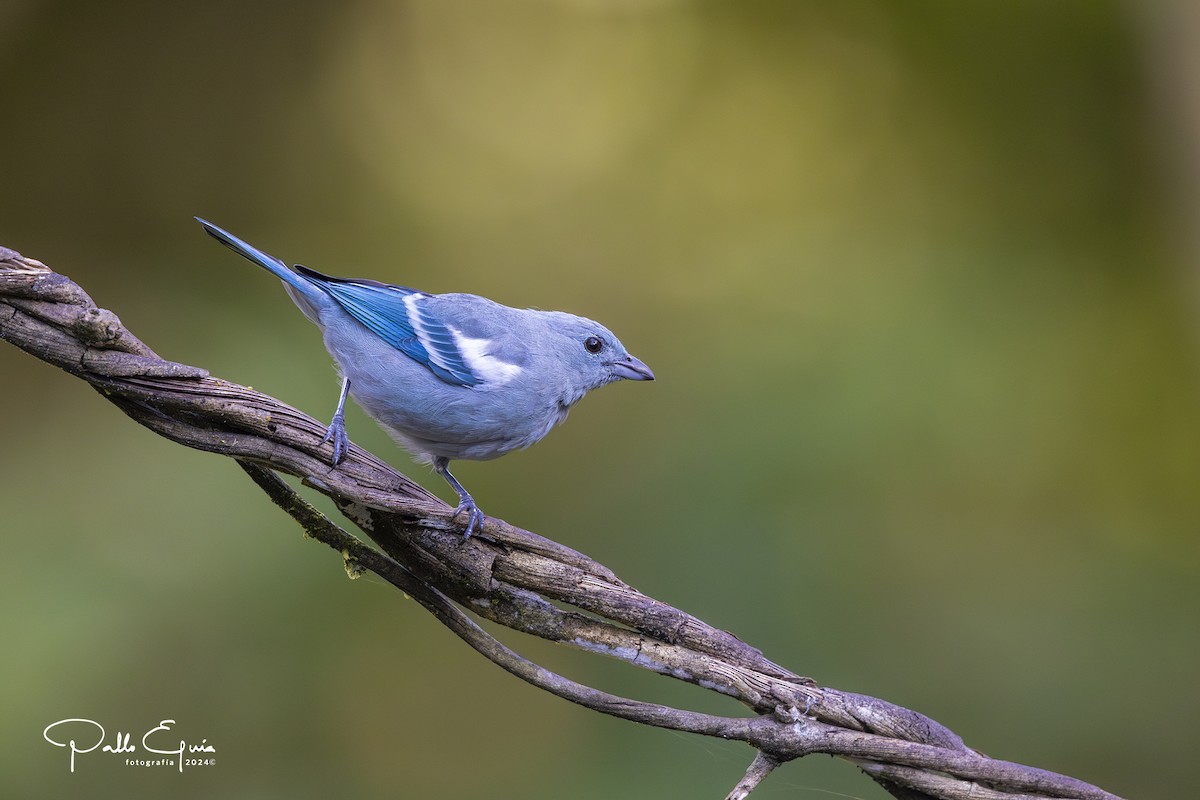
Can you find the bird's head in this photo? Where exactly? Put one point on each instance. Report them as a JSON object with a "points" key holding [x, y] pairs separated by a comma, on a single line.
{"points": [[591, 355]]}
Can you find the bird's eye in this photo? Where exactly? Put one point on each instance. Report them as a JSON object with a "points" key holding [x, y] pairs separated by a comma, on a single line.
{"points": [[594, 344]]}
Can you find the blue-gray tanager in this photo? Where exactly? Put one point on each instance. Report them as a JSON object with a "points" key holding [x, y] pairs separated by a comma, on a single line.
{"points": [[449, 375]]}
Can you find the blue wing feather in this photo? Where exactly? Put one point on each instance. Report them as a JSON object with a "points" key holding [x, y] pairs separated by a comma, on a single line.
{"points": [[388, 313]]}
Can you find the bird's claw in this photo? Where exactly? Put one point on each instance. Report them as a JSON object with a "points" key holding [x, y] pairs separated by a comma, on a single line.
{"points": [[336, 433], [475, 517]]}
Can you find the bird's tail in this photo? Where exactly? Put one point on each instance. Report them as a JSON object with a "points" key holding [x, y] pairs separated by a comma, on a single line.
{"points": [[304, 292], [252, 253]]}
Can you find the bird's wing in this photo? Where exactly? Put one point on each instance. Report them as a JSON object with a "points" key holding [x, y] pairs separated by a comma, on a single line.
{"points": [[409, 321]]}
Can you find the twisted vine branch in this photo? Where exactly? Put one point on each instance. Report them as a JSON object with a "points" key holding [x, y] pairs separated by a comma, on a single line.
{"points": [[504, 574]]}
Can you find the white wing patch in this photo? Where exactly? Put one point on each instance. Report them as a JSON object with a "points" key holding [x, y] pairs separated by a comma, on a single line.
{"points": [[418, 325], [474, 353], [414, 314]]}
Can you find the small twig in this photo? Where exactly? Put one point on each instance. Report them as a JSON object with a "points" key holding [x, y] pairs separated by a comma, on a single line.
{"points": [[760, 767]]}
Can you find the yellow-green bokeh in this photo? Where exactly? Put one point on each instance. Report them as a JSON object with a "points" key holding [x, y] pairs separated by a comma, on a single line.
{"points": [[915, 279]]}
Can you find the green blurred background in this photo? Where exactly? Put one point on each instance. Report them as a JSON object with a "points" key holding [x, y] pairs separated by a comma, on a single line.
{"points": [[918, 281]]}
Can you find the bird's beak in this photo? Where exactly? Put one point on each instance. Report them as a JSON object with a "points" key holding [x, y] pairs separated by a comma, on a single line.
{"points": [[631, 369]]}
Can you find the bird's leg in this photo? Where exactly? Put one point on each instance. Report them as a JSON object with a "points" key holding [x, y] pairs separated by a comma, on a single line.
{"points": [[337, 426], [466, 503]]}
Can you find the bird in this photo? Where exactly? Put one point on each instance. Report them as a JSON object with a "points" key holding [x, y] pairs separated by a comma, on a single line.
{"points": [[449, 376]]}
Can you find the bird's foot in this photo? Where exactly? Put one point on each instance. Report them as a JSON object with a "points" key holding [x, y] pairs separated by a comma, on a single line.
{"points": [[475, 517], [336, 433]]}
